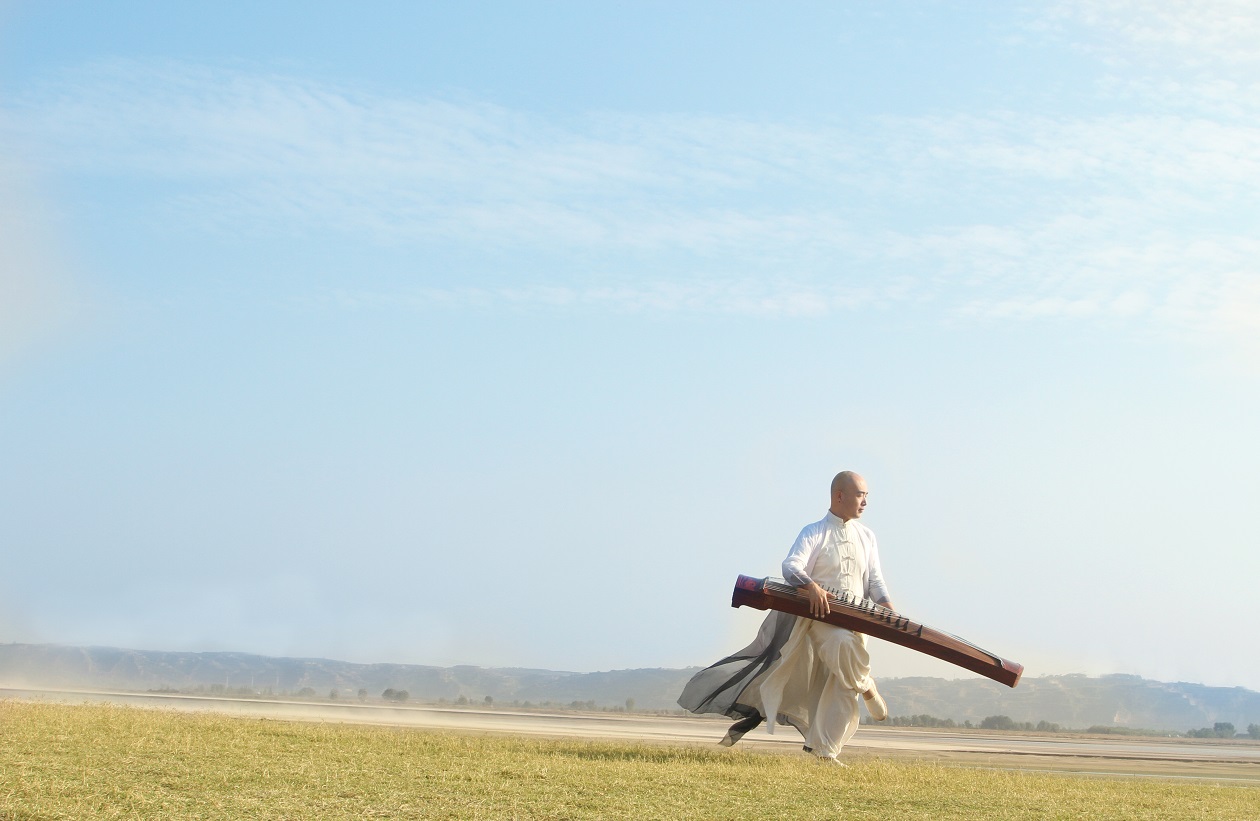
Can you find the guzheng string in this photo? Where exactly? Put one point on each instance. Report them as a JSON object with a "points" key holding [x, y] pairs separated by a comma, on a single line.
{"points": [[854, 612], [894, 618], [852, 602]]}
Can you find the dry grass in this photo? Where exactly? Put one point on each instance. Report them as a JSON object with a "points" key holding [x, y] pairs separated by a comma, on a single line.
{"points": [[87, 762]]}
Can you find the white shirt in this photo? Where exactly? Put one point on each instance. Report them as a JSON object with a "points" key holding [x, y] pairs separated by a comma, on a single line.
{"points": [[815, 539]]}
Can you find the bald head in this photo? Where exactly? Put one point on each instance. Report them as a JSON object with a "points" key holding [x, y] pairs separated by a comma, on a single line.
{"points": [[848, 495], [844, 481]]}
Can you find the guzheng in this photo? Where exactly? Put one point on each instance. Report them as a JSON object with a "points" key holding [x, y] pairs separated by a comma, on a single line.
{"points": [[864, 616]]}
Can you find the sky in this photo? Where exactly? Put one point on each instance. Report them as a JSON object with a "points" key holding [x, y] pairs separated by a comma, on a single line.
{"points": [[509, 334]]}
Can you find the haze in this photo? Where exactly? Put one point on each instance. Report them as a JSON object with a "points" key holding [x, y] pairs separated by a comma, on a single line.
{"points": [[509, 334]]}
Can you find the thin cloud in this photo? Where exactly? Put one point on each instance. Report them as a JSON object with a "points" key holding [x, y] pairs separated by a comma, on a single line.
{"points": [[740, 298], [1189, 57], [1202, 34], [1000, 215]]}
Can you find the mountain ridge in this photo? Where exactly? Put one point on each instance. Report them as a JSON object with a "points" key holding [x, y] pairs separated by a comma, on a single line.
{"points": [[1073, 700]]}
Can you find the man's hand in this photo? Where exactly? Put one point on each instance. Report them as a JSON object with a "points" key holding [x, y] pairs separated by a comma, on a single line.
{"points": [[819, 600]]}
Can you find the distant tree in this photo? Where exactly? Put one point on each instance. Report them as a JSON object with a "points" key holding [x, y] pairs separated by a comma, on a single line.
{"points": [[997, 723], [462, 700], [362, 694], [629, 705], [332, 694], [306, 692], [1253, 730], [1221, 729], [921, 720], [395, 695], [489, 700]]}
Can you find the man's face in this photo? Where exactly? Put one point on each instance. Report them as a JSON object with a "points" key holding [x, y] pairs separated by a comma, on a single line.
{"points": [[850, 499]]}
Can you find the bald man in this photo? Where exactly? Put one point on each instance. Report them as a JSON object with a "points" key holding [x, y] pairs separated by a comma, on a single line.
{"points": [[803, 672]]}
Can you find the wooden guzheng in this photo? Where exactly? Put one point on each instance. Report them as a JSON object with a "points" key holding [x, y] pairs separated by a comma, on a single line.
{"points": [[864, 616]]}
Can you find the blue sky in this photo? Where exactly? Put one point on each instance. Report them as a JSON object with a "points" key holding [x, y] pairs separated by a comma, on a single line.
{"points": [[509, 334]]}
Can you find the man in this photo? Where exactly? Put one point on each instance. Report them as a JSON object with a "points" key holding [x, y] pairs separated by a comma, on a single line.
{"points": [[799, 671]]}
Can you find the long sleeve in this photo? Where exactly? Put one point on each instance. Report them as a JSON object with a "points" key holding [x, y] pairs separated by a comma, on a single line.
{"points": [[801, 557], [876, 588]]}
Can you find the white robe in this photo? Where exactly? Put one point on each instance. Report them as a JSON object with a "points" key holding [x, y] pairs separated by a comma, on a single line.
{"points": [[817, 682], [799, 671]]}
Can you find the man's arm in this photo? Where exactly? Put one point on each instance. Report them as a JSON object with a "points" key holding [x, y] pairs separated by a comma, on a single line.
{"points": [[798, 558], [876, 587], [819, 599]]}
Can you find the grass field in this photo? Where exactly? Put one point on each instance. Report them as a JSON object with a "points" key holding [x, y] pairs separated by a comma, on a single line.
{"points": [[62, 761]]}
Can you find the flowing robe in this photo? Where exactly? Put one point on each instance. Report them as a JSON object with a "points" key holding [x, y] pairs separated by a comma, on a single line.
{"points": [[799, 671]]}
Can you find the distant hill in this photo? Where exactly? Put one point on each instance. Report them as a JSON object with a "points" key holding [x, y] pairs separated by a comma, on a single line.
{"points": [[1077, 701], [1072, 701]]}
